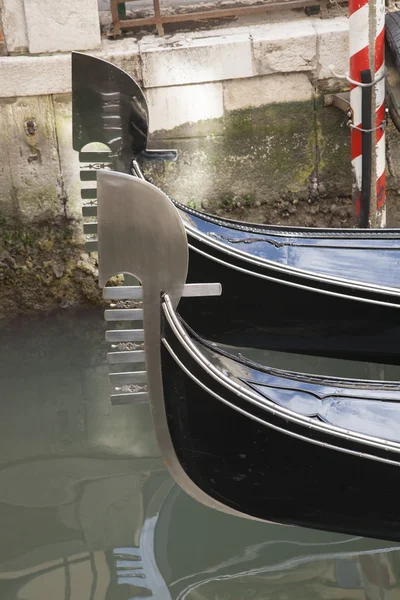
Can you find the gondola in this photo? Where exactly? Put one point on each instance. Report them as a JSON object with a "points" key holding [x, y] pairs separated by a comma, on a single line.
{"points": [[265, 443], [332, 292]]}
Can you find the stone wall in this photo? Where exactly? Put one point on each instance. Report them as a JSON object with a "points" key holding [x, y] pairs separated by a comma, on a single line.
{"points": [[260, 153], [245, 109], [41, 26]]}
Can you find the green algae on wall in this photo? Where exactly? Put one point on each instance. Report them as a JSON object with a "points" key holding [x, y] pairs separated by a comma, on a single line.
{"points": [[333, 148], [42, 266], [256, 156], [41, 260]]}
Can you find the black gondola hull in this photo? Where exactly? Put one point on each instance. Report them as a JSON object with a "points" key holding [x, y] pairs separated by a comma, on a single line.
{"points": [[263, 470], [258, 311], [253, 440]]}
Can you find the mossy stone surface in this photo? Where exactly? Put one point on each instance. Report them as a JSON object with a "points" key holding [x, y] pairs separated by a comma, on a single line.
{"points": [[258, 155], [42, 266]]}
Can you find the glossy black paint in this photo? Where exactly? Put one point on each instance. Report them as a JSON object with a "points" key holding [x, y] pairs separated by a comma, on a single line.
{"points": [[363, 256], [269, 474], [261, 313]]}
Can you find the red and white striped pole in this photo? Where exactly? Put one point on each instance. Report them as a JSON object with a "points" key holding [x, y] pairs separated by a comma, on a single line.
{"points": [[380, 142], [367, 30]]}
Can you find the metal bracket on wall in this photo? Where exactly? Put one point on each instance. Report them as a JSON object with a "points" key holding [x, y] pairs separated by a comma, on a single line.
{"points": [[341, 101]]}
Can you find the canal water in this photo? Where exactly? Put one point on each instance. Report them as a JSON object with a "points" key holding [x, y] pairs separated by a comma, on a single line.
{"points": [[88, 511]]}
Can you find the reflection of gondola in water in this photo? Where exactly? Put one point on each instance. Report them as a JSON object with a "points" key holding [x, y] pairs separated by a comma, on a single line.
{"points": [[75, 474], [82, 489], [284, 288], [79, 551], [266, 443], [99, 518], [173, 549], [241, 559]]}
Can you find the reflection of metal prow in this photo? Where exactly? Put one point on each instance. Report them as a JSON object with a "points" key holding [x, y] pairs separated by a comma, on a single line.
{"points": [[140, 233], [138, 566]]}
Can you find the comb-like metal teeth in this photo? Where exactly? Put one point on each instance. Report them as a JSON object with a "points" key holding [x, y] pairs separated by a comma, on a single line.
{"points": [[120, 292], [137, 398], [127, 304], [128, 346], [194, 290], [89, 211], [124, 314], [88, 175], [111, 117], [95, 166], [128, 378], [109, 108], [115, 358], [112, 121], [115, 133], [132, 389], [125, 335], [190, 290], [111, 97], [94, 157], [90, 228], [89, 193], [91, 246]]}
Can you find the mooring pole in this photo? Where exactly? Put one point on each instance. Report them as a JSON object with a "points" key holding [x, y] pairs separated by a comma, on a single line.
{"points": [[367, 123], [367, 53]]}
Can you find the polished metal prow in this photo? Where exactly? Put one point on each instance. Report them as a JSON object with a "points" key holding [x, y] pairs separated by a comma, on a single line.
{"points": [[108, 107], [141, 234]]}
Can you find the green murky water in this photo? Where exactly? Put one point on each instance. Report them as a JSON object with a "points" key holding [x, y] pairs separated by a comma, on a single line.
{"points": [[88, 511]]}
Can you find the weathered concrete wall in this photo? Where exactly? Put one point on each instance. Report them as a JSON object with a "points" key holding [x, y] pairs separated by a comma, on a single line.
{"points": [[14, 25], [42, 26], [244, 109], [41, 259], [62, 26], [258, 152]]}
